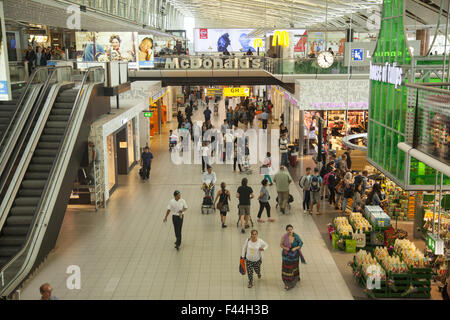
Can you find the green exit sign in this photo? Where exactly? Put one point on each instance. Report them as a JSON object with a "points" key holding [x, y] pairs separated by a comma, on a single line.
{"points": [[435, 244], [148, 114]]}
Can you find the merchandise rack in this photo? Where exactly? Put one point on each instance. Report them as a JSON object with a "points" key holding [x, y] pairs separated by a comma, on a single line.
{"points": [[414, 284]]}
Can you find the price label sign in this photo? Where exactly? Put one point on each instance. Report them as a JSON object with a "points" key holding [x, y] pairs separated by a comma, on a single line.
{"points": [[236, 92], [148, 114]]}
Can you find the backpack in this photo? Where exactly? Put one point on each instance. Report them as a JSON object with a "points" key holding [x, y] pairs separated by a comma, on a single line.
{"points": [[327, 177], [324, 171], [358, 179], [315, 184], [349, 191]]}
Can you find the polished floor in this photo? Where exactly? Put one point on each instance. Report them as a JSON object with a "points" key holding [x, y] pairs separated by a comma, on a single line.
{"points": [[126, 251]]}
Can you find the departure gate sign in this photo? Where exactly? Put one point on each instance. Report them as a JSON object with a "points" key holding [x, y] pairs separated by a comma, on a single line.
{"points": [[236, 92]]}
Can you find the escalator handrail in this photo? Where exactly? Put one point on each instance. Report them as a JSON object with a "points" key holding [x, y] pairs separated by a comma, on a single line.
{"points": [[18, 109], [33, 112], [52, 170]]}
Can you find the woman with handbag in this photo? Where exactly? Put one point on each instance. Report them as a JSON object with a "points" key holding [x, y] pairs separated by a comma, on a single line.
{"points": [[252, 252], [223, 196], [291, 243]]}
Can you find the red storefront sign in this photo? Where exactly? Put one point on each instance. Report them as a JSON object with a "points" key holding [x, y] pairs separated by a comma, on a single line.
{"points": [[203, 33]]}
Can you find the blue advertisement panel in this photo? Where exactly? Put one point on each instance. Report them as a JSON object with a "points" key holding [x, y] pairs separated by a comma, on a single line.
{"points": [[224, 40]]}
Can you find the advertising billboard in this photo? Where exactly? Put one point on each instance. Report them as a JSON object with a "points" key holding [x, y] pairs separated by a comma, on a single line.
{"points": [[146, 52], [222, 40], [107, 46], [5, 84]]}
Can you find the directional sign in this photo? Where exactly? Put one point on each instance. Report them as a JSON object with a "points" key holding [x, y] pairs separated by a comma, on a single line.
{"points": [[236, 92]]}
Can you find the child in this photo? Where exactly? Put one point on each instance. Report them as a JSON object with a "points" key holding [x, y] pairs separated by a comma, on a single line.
{"points": [[267, 167]]}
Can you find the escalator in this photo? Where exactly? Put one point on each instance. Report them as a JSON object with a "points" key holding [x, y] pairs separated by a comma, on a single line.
{"points": [[7, 109], [20, 217], [36, 199]]}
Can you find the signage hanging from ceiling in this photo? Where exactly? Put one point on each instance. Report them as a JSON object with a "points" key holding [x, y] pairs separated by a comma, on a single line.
{"points": [[236, 92]]}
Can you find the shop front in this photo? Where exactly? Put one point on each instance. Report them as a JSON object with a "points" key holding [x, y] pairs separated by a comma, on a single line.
{"points": [[342, 104]]}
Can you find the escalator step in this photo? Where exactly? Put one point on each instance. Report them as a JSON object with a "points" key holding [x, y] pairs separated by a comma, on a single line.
{"points": [[5, 114], [26, 201], [19, 210], [53, 131], [55, 118], [33, 184], [36, 175], [11, 241], [4, 260], [50, 138], [30, 193], [42, 160], [63, 105], [8, 251], [40, 168], [47, 145], [15, 231], [16, 220], [46, 152], [60, 111], [56, 124], [8, 107]]}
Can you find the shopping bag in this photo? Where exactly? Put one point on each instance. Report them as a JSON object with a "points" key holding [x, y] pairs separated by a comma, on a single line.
{"points": [[350, 246], [360, 239], [242, 266], [334, 240]]}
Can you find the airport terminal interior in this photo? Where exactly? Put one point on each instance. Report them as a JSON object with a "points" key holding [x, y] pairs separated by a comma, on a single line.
{"points": [[224, 150]]}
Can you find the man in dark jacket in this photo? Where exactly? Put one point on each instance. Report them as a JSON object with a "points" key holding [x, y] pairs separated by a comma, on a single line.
{"points": [[40, 60], [30, 56], [146, 162]]}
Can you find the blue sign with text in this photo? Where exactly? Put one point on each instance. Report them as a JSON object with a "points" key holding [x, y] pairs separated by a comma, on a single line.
{"points": [[357, 54]]}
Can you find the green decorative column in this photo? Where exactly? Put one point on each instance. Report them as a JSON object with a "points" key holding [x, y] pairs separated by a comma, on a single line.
{"points": [[388, 103], [391, 114]]}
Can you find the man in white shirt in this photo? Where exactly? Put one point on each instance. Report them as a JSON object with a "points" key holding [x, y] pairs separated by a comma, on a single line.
{"points": [[177, 207], [228, 141], [253, 252], [209, 177]]}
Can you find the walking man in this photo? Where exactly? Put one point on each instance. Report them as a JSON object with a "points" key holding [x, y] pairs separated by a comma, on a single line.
{"points": [[282, 180], [177, 207], [146, 162], [305, 185], [315, 186]]}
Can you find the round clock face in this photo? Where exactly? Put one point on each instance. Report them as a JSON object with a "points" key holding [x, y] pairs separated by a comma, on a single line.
{"points": [[325, 59]]}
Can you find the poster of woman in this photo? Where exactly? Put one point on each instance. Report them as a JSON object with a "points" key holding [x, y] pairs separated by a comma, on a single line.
{"points": [[107, 46], [146, 52]]}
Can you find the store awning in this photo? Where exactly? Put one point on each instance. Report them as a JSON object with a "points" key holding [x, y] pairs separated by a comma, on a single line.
{"points": [[423, 157]]}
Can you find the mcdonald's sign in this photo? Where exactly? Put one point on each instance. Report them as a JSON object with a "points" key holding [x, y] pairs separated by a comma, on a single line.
{"points": [[280, 38], [258, 43]]}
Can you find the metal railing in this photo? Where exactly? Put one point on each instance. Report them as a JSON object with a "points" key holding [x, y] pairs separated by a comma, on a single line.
{"points": [[14, 162], [10, 136], [93, 75], [243, 62]]}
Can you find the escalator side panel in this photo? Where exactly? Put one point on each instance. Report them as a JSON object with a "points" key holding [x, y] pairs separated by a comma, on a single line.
{"points": [[97, 106]]}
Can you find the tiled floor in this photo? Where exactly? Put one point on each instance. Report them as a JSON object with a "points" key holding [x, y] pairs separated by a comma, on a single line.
{"points": [[126, 251]]}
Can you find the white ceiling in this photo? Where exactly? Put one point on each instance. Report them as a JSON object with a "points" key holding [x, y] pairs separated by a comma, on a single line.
{"points": [[270, 14]]}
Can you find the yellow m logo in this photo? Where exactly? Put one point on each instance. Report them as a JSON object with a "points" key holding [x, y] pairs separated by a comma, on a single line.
{"points": [[281, 38], [258, 43]]}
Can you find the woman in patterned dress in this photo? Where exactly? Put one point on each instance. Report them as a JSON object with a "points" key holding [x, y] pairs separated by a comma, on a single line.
{"points": [[291, 244]]}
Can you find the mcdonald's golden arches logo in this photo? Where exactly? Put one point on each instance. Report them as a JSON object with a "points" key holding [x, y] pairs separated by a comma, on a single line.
{"points": [[258, 43], [281, 38]]}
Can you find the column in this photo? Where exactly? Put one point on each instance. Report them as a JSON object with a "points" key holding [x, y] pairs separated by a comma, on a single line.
{"points": [[424, 36]]}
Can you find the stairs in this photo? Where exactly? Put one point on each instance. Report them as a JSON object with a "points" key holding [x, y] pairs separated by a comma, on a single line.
{"points": [[18, 222]]}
